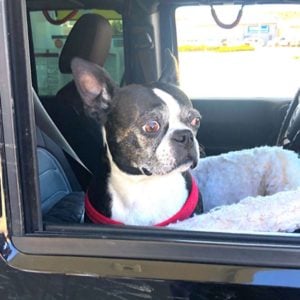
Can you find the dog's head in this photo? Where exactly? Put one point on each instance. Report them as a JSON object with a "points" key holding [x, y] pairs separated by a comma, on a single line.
{"points": [[149, 129]]}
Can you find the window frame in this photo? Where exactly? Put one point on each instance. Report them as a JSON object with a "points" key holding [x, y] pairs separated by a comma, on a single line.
{"points": [[108, 251], [16, 102]]}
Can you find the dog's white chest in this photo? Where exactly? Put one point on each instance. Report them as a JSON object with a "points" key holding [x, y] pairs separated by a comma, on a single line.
{"points": [[148, 201]]}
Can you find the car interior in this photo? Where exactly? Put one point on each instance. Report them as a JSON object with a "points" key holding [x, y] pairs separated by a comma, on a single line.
{"points": [[128, 38]]}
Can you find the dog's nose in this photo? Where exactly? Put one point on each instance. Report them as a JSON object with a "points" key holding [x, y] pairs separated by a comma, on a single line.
{"points": [[184, 137]]}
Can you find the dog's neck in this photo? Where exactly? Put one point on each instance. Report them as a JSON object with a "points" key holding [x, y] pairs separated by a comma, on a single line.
{"points": [[145, 200]]}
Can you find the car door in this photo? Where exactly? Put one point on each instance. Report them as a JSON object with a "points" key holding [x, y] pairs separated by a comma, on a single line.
{"points": [[62, 261]]}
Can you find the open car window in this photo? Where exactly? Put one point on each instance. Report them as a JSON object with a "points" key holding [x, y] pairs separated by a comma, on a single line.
{"points": [[257, 58]]}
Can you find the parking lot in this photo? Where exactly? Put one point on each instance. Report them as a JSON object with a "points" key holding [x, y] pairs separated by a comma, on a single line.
{"points": [[264, 72]]}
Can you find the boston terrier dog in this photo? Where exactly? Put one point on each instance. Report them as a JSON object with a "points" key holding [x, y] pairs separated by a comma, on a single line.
{"points": [[149, 138]]}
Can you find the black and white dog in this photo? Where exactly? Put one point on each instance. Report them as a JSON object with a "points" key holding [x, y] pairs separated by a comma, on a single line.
{"points": [[149, 135]]}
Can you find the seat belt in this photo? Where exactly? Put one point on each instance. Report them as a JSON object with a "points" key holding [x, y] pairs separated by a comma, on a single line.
{"points": [[45, 123]]}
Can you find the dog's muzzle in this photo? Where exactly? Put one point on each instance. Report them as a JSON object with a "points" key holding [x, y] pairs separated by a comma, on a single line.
{"points": [[183, 138], [186, 151]]}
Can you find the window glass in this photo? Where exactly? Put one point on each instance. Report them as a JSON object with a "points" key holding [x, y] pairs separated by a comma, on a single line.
{"points": [[48, 41], [260, 57]]}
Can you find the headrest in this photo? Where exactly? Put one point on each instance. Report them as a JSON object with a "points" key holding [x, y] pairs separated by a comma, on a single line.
{"points": [[90, 39]]}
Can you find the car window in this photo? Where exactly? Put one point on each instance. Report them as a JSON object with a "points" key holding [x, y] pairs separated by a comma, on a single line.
{"points": [[260, 57], [49, 39]]}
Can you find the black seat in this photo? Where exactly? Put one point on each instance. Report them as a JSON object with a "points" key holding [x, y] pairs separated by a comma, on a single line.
{"points": [[62, 198], [90, 39]]}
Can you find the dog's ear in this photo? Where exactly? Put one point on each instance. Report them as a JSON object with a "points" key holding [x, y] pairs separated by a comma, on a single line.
{"points": [[170, 72], [94, 85]]}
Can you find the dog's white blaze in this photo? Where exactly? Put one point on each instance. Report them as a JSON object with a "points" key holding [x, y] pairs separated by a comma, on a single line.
{"points": [[174, 110], [165, 152]]}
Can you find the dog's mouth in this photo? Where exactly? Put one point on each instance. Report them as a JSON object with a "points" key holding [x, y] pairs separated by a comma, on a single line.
{"points": [[187, 164], [146, 172]]}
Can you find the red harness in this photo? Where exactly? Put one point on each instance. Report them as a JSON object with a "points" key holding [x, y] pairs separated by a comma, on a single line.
{"points": [[185, 212]]}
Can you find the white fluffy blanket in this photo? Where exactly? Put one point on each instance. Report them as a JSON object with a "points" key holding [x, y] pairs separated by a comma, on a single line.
{"points": [[249, 190]]}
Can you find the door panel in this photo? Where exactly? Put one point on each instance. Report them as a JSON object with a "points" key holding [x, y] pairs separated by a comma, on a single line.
{"points": [[237, 124]]}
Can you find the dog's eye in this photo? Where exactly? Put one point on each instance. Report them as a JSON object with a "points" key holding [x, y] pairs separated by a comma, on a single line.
{"points": [[195, 122], [151, 126]]}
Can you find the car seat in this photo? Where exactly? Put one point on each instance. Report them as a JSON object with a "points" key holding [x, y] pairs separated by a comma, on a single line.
{"points": [[62, 197], [90, 39]]}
